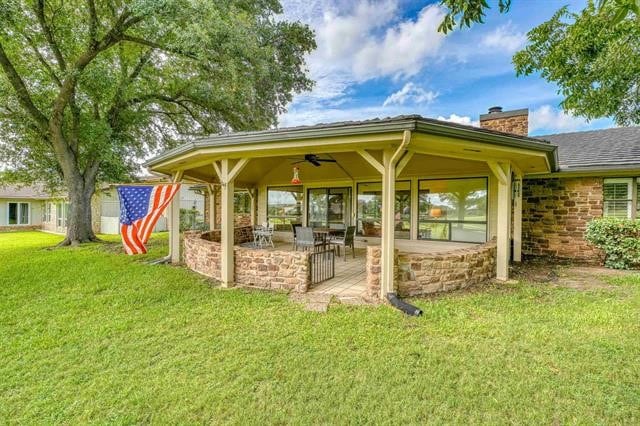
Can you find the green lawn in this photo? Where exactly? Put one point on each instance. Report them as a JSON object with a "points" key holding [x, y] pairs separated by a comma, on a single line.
{"points": [[91, 335]]}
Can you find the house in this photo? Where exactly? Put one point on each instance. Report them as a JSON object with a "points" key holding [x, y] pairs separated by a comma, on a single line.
{"points": [[437, 205], [32, 207]]}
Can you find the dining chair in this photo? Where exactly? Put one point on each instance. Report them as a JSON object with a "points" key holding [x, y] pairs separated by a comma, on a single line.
{"points": [[306, 239], [347, 241]]}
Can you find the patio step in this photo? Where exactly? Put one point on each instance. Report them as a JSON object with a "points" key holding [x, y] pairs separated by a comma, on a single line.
{"points": [[319, 302]]}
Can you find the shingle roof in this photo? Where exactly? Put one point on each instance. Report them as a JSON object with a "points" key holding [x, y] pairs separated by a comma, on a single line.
{"points": [[597, 149], [36, 191]]}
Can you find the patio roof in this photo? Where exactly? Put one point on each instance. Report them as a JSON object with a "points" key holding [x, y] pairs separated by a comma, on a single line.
{"points": [[321, 133]]}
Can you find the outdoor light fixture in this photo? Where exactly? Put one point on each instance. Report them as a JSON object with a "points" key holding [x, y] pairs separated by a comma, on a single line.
{"points": [[296, 177]]}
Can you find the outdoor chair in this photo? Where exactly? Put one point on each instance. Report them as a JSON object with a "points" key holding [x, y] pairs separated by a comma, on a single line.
{"points": [[306, 239], [294, 230], [263, 235], [346, 241]]}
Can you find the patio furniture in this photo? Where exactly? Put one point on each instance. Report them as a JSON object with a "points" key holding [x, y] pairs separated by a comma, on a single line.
{"points": [[306, 239], [263, 235], [346, 241], [294, 230]]}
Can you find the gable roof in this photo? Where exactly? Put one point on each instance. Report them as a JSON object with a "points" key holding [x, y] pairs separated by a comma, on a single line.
{"points": [[607, 149], [34, 192]]}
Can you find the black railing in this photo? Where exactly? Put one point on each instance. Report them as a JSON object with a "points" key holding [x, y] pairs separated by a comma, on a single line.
{"points": [[323, 266]]}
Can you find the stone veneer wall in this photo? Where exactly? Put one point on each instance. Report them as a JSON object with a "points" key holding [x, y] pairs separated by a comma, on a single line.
{"points": [[419, 274], [266, 269], [555, 214], [240, 219]]}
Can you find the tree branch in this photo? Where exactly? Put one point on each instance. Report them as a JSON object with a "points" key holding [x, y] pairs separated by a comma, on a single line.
{"points": [[48, 34], [155, 45], [93, 23], [21, 91], [43, 61]]}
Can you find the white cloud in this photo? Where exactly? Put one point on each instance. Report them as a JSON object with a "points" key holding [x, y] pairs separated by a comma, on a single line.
{"points": [[411, 93], [505, 38], [359, 41], [550, 119], [454, 118], [404, 49]]}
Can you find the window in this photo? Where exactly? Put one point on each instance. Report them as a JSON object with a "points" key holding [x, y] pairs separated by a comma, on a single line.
{"points": [[618, 197], [59, 215], [329, 207], [453, 209], [241, 202], [284, 206], [46, 212], [370, 209], [18, 214]]}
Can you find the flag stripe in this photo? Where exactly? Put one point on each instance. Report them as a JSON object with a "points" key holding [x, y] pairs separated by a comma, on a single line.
{"points": [[141, 208]]}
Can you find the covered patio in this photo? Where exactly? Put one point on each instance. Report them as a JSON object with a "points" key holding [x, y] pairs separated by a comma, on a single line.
{"points": [[421, 194]]}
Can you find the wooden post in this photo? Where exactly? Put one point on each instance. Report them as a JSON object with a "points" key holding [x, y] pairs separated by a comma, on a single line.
{"points": [[212, 206], [174, 223], [517, 219], [502, 171], [388, 221], [227, 172], [253, 195], [226, 226]]}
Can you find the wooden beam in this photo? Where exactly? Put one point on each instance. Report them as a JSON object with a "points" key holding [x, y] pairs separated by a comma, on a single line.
{"points": [[237, 168], [403, 162], [371, 160], [498, 171], [216, 167]]}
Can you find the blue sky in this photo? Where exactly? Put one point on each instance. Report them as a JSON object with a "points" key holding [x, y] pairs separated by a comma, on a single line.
{"points": [[384, 58]]}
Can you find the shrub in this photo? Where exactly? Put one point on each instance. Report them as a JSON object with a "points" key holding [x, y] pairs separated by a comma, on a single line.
{"points": [[619, 239]]}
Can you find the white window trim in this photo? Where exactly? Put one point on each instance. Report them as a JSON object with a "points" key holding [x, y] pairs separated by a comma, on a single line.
{"points": [[19, 209], [631, 194]]}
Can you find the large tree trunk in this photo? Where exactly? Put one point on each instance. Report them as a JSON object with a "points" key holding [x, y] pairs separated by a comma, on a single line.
{"points": [[79, 225]]}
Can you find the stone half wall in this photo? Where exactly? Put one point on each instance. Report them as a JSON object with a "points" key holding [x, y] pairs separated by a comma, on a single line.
{"points": [[555, 214], [266, 269], [419, 274]]}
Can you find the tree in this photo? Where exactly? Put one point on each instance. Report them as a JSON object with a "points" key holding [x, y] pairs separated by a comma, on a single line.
{"points": [[596, 65], [592, 56], [88, 88]]}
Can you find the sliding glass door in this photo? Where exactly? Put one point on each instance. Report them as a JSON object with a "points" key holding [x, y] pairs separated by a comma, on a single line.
{"points": [[329, 207], [370, 209]]}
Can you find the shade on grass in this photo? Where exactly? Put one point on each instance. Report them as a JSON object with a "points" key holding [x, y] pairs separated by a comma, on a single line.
{"points": [[88, 334]]}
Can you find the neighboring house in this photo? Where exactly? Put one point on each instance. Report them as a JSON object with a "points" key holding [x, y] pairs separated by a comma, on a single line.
{"points": [[418, 192], [31, 207]]}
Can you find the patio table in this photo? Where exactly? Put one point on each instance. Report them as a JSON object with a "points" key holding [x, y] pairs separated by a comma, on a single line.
{"points": [[325, 233]]}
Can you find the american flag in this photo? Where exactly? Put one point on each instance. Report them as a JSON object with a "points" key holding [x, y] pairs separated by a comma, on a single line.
{"points": [[140, 209]]}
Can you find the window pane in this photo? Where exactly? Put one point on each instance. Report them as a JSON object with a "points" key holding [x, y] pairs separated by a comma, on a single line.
{"points": [[617, 198], [13, 213], [454, 209], [318, 207], [241, 202], [24, 214], [370, 209], [284, 206]]}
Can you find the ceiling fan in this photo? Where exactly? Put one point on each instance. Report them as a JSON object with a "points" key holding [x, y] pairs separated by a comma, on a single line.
{"points": [[314, 159]]}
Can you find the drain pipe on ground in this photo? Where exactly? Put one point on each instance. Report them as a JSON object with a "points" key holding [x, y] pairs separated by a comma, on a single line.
{"points": [[405, 307]]}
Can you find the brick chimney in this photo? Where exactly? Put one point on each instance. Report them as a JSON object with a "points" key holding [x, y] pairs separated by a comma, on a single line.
{"points": [[516, 121]]}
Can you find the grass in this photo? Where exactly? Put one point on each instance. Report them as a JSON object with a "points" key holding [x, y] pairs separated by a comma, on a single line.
{"points": [[88, 335]]}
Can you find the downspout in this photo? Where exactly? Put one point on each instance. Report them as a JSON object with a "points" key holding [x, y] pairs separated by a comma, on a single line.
{"points": [[393, 297]]}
